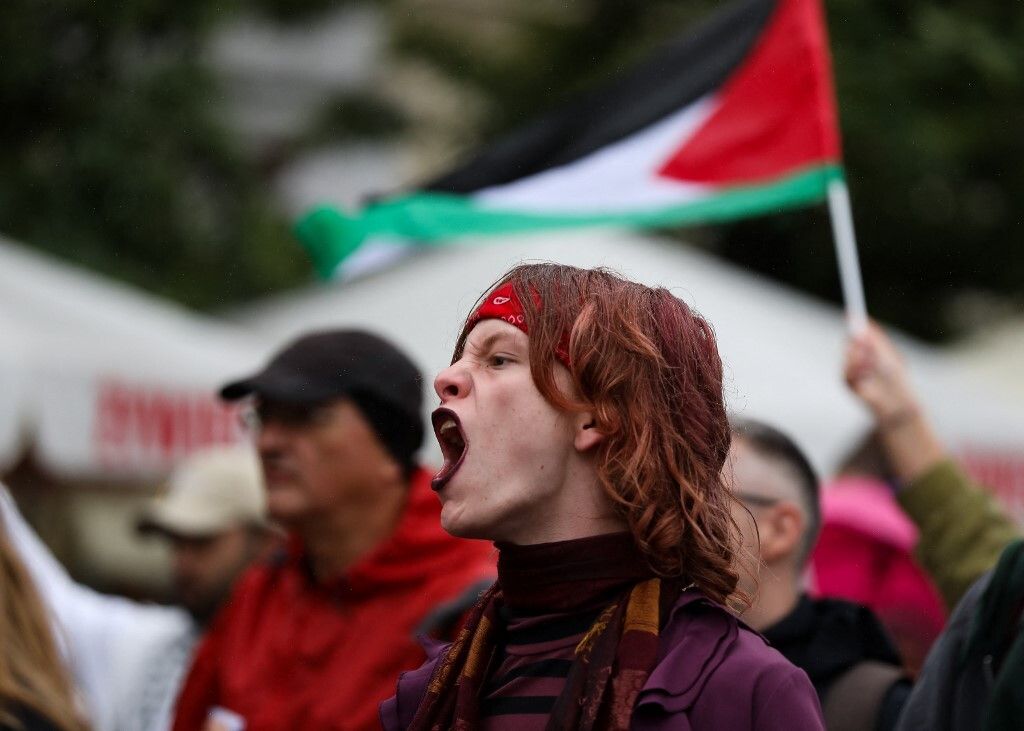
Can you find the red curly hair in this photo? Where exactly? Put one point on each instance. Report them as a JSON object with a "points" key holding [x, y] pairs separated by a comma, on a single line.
{"points": [[648, 368]]}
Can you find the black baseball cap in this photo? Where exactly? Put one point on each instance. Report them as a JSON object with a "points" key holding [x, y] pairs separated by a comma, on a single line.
{"points": [[326, 365]]}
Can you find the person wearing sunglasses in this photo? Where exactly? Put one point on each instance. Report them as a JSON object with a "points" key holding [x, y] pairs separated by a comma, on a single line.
{"points": [[315, 637]]}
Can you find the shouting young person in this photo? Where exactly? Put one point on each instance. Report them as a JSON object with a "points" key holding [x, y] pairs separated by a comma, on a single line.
{"points": [[584, 431]]}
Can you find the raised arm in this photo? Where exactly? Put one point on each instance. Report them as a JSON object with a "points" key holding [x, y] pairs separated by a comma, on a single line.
{"points": [[963, 529]]}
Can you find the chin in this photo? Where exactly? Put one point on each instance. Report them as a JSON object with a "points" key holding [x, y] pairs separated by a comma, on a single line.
{"points": [[454, 527], [461, 527]]}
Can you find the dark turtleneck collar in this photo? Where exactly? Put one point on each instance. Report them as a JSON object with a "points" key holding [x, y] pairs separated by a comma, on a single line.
{"points": [[569, 575]]}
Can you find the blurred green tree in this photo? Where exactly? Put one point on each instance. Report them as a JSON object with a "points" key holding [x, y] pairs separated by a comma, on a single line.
{"points": [[113, 156]]}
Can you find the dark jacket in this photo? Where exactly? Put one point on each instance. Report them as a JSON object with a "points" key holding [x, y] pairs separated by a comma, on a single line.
{"points": [[949, 695], [713, 672], [28, 720], [826, 638]]}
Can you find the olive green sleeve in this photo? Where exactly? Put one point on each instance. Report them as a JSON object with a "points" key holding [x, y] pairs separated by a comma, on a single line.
{"points": [[963, 529]]}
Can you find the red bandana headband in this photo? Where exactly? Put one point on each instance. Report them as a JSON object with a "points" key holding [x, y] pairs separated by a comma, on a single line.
{"points": [[504, 304]]}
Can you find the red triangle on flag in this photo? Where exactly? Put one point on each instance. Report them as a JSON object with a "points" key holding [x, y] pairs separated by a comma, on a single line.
{"points": [[776, 114]]}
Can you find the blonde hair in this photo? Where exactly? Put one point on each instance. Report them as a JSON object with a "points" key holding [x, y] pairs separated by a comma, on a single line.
{"points": [[32, 673]]}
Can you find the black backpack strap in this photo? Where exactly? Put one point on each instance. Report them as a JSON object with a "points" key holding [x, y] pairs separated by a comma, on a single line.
{"points": [[853, 701]]}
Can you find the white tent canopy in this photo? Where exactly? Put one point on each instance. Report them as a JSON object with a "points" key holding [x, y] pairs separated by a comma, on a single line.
{"points": [[100, 380], [782, 350], [996, 354]]}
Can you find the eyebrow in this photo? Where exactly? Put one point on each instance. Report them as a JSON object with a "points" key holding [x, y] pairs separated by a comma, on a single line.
{"points": [[487, 343]]}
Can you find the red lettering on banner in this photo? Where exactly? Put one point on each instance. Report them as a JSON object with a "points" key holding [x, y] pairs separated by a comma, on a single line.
{"points": [[153, 422], [112, 408], [1002, 473], [147, 428]]}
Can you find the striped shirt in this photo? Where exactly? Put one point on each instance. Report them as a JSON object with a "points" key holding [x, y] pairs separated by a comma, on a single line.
{"points": [[531, 668]]}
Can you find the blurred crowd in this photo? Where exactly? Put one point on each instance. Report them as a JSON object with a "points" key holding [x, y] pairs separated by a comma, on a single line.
{"points": [[316, 565]]}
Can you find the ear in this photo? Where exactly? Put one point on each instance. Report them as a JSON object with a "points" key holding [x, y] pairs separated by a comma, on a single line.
{"points": [[782, 531], [587, 435]]}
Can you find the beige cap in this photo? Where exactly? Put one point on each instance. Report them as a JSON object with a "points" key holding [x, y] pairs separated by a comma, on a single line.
{"points": [[209, 492]]}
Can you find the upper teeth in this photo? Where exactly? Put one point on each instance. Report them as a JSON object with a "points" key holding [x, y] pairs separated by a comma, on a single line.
{"points": [[450, 424]]}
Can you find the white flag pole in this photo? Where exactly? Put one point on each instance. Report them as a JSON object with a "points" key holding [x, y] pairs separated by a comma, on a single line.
{"points": [[846, 254]]}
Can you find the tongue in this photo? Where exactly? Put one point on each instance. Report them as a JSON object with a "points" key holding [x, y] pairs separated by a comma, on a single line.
{"points": [[452, 459]]}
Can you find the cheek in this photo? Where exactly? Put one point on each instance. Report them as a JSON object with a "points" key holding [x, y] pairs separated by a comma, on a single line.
{"points": [[544, 436], [320, 459], [528, 421], [229, 555], [204, 574]]}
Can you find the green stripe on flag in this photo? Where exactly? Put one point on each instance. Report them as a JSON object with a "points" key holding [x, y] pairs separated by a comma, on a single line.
{"points": [[431, 218]]}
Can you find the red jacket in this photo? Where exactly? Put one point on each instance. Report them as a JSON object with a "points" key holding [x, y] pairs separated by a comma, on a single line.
{"points": [[289, 653]]}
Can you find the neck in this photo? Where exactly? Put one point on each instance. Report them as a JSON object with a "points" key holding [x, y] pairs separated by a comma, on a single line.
{"points": [[569, 574], [580, 509], [777, 595], [337, 539], [555, 531]]}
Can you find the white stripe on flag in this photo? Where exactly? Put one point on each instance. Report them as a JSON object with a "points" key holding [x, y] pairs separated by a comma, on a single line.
{"points": [[619, 177]]}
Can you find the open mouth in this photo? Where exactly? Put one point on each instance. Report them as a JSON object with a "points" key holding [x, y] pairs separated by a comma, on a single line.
{"points": [[454, 445]]}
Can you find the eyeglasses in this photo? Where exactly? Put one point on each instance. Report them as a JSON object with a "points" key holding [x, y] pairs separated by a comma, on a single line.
{"points": [[258, 413], [761, 501]]}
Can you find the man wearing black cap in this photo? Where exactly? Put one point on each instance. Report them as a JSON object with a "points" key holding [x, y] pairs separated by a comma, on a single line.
{"points": [[315, 638]]}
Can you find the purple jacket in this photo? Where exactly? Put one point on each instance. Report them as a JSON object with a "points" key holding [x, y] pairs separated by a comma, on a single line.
{"points": [[713, 672]]}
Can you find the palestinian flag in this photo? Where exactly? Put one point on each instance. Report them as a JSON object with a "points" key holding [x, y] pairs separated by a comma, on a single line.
{"points": [[736, 119]]}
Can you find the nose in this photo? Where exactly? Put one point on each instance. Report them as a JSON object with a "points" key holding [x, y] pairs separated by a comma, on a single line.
{"points": [[452, 383]]}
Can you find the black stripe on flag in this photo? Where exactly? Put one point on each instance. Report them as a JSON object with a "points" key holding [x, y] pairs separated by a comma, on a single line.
{"points": [[680, 73]]}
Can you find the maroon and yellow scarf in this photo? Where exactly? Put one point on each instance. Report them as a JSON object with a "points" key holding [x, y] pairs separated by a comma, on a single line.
{"points": [[612, 661]]}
